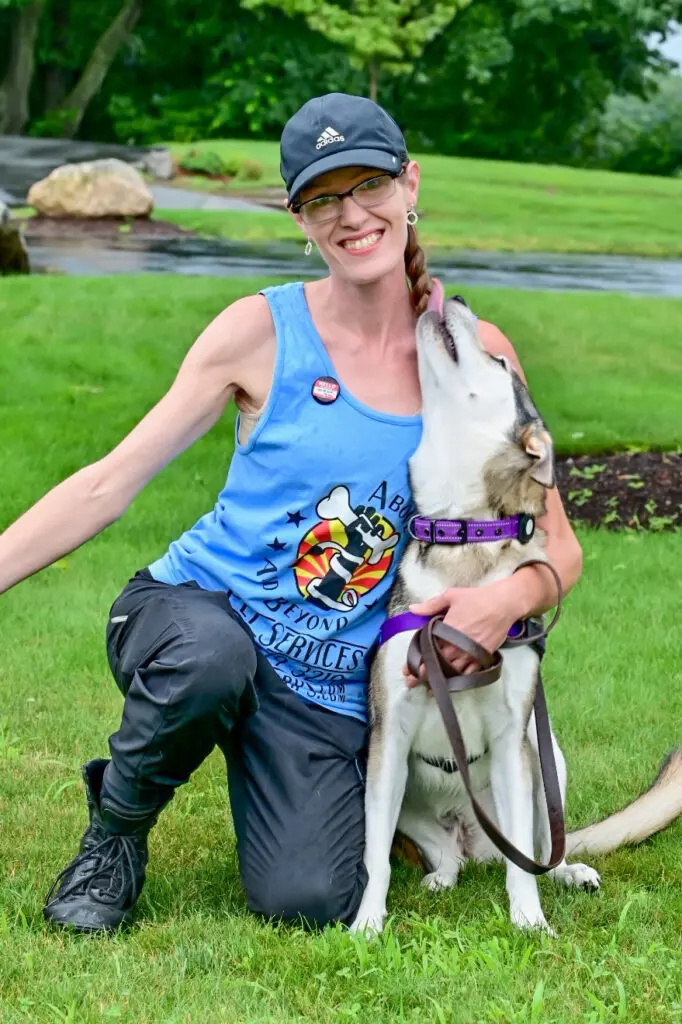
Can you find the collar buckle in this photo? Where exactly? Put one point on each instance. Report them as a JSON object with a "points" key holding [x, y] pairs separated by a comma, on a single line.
{"points": [[526, 528]]}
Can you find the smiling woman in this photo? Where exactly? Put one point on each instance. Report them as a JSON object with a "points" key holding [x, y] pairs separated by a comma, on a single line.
{"points": [[328, 196], [254, 630]]}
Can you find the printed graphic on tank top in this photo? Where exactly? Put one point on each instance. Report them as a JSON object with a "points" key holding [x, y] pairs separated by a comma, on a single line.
{"points": [[307, 532]]}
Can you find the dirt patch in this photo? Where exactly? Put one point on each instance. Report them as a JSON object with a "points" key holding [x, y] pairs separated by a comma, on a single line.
{"points": [[640, 491], [101, 227]]}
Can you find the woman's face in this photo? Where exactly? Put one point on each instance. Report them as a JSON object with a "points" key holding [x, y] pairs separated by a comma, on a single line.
{"points": [[362, 244]]}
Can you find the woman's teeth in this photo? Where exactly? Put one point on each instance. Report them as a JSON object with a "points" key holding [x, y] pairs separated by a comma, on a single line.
{"points": [[363, 243]]}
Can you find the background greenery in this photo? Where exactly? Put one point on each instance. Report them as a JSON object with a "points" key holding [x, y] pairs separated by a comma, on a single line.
{"points": [[87, 358], [558, 81]]}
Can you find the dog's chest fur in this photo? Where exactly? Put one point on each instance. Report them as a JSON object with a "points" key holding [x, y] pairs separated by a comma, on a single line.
{"points": [[483, 713]]}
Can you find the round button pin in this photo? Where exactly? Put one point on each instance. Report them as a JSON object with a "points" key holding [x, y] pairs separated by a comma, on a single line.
{"points": [[325, 390]]}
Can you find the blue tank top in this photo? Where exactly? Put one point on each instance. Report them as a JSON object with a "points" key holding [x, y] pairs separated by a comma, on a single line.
{"points": [[306, 535]]}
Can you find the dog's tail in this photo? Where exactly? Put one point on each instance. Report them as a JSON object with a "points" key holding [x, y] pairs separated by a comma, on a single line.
{"points": [[649, 813]]}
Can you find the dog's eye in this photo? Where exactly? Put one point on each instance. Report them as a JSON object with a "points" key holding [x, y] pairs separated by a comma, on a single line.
{"points": [[503, 361]]}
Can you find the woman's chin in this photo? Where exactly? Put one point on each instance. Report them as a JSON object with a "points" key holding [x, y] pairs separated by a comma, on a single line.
{"points": [[371, 268]]}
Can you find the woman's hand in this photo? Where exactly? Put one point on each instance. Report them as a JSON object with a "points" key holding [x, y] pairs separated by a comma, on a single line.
{"points": [[486, 614]]}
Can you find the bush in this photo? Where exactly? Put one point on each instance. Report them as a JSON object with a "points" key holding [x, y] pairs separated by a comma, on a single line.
{"points": [[250, 170], [205, 161]]}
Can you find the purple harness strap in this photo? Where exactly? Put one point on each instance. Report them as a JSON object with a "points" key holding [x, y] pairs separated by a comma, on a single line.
{"points": [[408, 620]]}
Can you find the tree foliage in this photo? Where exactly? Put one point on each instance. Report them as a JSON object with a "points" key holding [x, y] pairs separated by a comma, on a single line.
{"points": [[375, 34], [514, 79]]}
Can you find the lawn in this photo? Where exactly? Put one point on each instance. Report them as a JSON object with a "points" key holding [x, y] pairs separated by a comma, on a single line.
{"points": [[84, 360], [604, 369], [494, 205]]}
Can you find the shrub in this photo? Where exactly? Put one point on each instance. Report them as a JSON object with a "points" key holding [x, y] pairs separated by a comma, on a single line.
{"points": [[250, 170], [205, 161]]}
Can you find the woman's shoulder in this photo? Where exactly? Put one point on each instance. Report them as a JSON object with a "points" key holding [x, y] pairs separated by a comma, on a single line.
{"points": [[498, 344], [245, 323]]}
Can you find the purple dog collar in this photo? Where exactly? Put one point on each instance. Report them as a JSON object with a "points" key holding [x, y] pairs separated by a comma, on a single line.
{"points": [[471, 531], [408, 620]]}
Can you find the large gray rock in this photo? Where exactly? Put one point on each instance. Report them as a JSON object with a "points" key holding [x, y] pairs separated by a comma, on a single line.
{"points": [[13, 255], [159, 163], [98, 188]]}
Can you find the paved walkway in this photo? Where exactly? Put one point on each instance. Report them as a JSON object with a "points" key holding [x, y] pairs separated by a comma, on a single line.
{"points": [[166, 198]]}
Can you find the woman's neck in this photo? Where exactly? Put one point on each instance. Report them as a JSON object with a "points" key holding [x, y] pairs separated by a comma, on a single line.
{"points": [[377, 314]]}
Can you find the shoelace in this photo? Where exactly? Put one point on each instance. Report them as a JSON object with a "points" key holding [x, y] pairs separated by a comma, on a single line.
{"points": [[106, 856]]}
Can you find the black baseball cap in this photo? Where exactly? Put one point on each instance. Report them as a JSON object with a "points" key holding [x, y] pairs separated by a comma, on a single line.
{"points": [[338, 130]]}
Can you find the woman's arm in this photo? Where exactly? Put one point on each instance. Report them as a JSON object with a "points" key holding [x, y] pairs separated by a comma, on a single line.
{"points": [[533, 590], [219, 362]]}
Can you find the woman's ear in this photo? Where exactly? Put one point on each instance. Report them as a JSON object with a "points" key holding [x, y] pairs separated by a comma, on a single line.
{"points": [[411, 179], [297, 218]]}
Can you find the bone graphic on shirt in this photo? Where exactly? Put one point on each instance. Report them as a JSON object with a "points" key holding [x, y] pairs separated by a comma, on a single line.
{"points": [[365, 543]]}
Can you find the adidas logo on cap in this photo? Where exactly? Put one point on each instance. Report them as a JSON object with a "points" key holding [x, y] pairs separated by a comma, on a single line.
{"points": [[328, 136]]}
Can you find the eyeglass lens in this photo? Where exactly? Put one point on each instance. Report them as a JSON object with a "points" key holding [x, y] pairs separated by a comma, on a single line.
{"points": [[366, 193]]}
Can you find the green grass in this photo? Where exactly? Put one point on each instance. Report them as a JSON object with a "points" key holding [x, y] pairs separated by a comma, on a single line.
{"points": [[84, 360], [495, 205], [604, 369]]}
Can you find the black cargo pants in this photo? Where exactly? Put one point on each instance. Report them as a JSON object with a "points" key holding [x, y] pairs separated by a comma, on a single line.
{"points": [[192, 679]]}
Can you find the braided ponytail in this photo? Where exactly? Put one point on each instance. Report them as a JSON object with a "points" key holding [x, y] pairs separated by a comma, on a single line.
{"points": [[419, 277]]}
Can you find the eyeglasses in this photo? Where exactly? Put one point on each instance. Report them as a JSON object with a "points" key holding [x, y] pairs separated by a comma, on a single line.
{"points": [[366, 193]]}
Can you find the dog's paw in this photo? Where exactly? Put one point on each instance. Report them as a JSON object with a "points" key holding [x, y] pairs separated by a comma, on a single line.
{"points": [[577, 876], [437, 880], [530, 920], [368, 922]]}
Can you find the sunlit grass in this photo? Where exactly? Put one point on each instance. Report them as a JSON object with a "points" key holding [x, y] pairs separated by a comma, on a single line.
{"points": [[496, 205], [82, 360]]}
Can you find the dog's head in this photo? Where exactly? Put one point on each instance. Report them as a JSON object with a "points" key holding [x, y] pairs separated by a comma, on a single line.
{"points": [[482, 432]]}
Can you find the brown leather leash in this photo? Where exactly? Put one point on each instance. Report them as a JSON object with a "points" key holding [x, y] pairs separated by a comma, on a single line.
{"points": [[443, 681]]}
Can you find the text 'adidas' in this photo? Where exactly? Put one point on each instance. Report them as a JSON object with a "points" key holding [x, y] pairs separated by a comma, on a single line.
{"points": [[328, 136]]}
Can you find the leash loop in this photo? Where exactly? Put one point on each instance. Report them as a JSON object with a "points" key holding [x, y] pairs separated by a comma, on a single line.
{"points": [[443, 681]]}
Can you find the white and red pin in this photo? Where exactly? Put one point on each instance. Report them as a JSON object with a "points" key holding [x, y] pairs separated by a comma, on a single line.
{"points": [[326, 390]]}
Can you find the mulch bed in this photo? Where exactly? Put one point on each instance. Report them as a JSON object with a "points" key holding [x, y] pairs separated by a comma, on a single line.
{"points": [[640, 491], [101, 227]]}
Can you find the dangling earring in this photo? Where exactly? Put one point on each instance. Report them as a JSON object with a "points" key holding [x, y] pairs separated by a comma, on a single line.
{"points": [[309, 248], [412, 218]]}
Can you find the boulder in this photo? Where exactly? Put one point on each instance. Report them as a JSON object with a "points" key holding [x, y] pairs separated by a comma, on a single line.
{"points": [[159, 163], [13, 255], [97, 188]]}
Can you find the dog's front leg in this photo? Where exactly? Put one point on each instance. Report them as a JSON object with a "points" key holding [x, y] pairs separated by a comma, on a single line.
{"points": [[389, 747], [512, 786]]}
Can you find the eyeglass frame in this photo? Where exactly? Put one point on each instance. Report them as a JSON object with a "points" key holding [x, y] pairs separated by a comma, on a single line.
{"points": [[296, 207]]}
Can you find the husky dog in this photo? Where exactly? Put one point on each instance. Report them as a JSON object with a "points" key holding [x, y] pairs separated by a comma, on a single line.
{"points": [[485, 454]]}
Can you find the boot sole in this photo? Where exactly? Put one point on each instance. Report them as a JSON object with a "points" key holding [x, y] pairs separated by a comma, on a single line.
{"points": [[87, 929]]}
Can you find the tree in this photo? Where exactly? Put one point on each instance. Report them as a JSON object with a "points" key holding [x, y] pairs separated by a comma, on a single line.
{"points": [[72, 108], [24, 18], [63, 91], [529, 79], [376, 34]]}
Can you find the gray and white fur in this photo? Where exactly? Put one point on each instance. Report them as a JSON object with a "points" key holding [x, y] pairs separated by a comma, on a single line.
{"points": [[485, 453]]}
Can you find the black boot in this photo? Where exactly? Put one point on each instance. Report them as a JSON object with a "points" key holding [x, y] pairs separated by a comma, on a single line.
{"points": [[99, 888]]}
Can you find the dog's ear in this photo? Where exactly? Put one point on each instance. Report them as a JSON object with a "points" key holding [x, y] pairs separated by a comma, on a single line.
{"points": [[536, 442]]}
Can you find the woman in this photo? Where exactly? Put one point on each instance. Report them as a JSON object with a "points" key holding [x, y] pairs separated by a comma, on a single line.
{"points": [[253, 630]]}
